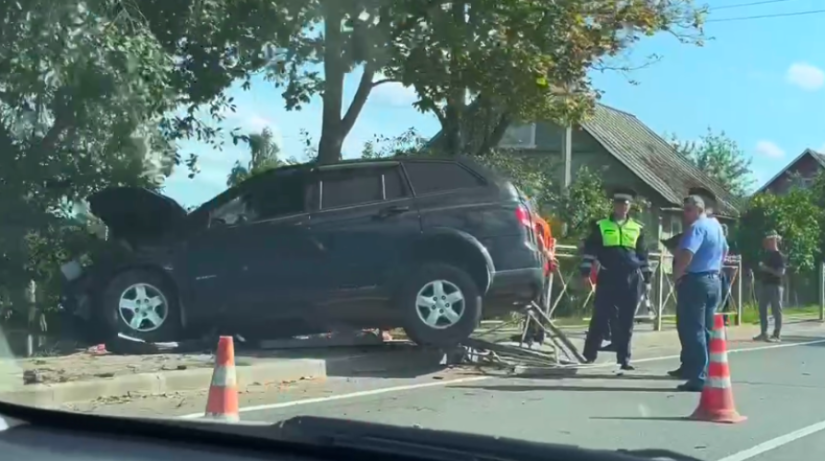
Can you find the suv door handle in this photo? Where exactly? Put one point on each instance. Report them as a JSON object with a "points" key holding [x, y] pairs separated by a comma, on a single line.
{"points": [[392, 210]]}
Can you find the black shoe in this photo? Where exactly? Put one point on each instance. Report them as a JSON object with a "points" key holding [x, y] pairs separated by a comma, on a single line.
{"points": [[626, 367], [677, 373], [690, 387]]}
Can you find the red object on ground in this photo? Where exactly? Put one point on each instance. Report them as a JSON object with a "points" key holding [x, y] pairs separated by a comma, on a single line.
{"points": [[99, 349], [716, 404], [222, 403]]}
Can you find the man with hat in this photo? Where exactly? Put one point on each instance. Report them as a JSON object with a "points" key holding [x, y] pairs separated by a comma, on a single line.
{"points": [[698, 263], [617, 244], [771, 271]]}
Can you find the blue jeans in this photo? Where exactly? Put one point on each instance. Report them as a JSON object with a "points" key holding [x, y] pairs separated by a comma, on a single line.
{"points": [[697, 297]]}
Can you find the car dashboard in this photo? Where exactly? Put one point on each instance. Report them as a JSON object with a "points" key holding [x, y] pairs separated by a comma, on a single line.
{"points": [[42, 435]]}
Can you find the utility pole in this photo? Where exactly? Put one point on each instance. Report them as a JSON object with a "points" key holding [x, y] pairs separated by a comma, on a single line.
{"points": [[567, 152], [567, 156]]}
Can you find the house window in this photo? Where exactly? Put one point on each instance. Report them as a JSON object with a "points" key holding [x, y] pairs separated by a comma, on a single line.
{"points": [[804, 183], [675, 225], [519, 136]]}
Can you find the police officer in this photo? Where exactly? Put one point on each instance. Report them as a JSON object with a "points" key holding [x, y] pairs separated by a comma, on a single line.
{"points": [[617, 244]]}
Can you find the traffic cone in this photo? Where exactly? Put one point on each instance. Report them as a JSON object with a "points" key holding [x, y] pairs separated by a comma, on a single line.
{"points": [[222, 403], [716, 404]]}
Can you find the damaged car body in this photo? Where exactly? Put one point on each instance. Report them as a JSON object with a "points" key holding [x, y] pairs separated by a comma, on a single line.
{"points": [[412, 243]]}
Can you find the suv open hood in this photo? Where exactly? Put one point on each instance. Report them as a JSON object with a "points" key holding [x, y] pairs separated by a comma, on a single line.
{"points": [[136, 214]]}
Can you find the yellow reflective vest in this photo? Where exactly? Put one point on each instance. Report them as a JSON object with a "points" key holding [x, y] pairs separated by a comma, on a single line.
{"points": [[615, 235]]}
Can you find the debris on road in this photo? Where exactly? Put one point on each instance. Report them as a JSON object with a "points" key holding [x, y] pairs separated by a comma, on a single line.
{"points": [[88, 366]]}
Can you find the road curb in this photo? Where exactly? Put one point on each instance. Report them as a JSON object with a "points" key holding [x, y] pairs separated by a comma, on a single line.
{"points": [[51, 395], [395, 361]]}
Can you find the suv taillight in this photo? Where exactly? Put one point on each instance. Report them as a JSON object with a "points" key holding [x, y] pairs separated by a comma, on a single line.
{"points": [[523, 216]]}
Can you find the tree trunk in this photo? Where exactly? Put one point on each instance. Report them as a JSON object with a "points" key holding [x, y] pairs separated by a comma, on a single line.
{"points": [[329, 147], [454, 111]]}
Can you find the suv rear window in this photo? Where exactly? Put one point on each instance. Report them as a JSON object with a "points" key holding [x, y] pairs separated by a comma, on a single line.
{"points": [[434, 177]]}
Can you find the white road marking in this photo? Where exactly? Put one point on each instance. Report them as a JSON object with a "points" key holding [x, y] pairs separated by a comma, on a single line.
{"points": [[775, 443], [447, 382], [352, 395]]}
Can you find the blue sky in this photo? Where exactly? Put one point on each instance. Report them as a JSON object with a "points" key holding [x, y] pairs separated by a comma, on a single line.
{"points": [[760, 80]]}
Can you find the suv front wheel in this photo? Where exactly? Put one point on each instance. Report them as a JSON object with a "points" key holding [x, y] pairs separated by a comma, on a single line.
{"points": [[441, 305], [140, 304]]}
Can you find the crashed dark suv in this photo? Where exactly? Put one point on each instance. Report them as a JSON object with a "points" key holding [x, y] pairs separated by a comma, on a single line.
{"points": [[414, 243]]}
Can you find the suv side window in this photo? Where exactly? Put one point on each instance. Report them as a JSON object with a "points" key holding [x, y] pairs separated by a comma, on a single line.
{"points": [[348, 187], [435, 177], [274, 197], [231, 213], [395, 186]]}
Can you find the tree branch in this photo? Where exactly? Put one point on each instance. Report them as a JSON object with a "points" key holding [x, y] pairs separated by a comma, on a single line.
{"points": [[383, 81], [365, 86]]}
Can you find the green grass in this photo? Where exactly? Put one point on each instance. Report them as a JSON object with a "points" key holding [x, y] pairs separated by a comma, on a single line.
{"points": [[750, 315]]}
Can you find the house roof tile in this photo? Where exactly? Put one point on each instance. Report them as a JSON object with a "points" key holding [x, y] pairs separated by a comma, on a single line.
{"points": [[653, 159]]}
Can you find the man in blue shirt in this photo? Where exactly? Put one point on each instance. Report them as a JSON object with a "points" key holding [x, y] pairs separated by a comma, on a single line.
{"points": [[698, 288]]}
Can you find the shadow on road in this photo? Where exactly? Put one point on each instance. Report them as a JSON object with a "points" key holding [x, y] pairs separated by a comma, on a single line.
{"points": [[380, 361], [796, 339], [577, 373]]}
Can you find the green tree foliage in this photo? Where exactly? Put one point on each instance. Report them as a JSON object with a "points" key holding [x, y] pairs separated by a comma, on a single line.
{"points": [[263, 157], [409, 142], [586, 201], [338, 37], [480, 65], [95, 93], [817, 194], [533, 175], [523, 58], [721, 158], [795, 216], [78, 84]]}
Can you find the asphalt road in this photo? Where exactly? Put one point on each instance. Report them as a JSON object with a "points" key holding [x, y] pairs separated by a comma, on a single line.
{"points": [[781, 391]]}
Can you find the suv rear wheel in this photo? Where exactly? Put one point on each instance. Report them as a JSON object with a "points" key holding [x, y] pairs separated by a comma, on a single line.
{"points": [[140, 304], [441, 305]]}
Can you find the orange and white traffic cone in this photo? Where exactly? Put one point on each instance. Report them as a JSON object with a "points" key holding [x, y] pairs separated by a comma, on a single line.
{"points": [[716, 404], [222, 403]]}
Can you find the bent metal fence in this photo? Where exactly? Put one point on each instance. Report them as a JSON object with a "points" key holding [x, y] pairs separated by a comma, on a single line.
{"points": [[567, 297]]}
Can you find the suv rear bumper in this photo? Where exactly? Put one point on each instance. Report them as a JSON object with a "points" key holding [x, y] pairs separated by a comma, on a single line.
{"points": [[514, 288]]}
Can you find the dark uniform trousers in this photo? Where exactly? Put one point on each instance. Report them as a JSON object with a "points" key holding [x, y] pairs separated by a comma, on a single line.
{"points": [[617, 296]]}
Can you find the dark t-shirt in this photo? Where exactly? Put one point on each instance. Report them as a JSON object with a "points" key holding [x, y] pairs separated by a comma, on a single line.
{"points": [[775, 260]]}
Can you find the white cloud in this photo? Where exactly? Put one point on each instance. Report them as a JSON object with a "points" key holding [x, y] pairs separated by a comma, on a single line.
{"points": [[769, 149], [258, 122], [805, 76], [394, 93], [251, 121]]}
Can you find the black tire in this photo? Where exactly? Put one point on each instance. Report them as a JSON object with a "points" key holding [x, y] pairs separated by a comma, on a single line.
{"points": [[110, 320], [425, 335]]}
